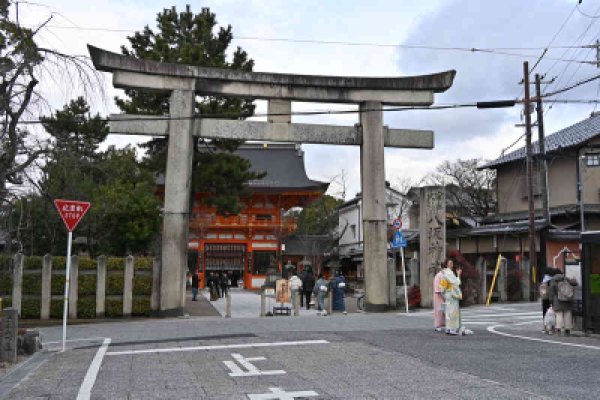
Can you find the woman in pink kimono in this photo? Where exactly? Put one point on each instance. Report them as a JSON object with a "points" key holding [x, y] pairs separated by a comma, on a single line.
{"points": [[450, 285], [439, 319]]}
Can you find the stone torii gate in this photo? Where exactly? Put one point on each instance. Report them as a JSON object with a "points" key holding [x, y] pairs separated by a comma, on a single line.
{"points": [[184, 82]]}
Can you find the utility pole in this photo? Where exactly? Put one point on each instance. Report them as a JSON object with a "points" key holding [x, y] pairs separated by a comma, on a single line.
{"points": [[532, 247], [543, 165]]}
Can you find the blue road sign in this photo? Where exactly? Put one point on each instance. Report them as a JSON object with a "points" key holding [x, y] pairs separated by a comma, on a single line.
{"points": [[399, 240]]}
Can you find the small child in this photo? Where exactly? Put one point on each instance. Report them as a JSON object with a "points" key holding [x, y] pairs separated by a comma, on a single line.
{"points": [[550, 321]]}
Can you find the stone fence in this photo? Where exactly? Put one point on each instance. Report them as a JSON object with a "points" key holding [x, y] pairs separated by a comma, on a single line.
{"points": [[104, 287]]}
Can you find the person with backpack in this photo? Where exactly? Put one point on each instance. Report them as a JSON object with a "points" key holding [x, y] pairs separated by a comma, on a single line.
{"points": [[562, 294]]}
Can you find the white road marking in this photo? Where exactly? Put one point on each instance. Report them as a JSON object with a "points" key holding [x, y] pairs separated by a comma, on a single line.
{"points": [[75, 340], [278, 394], [492, 329], [90, 377], [217, 347], [251, 369]]}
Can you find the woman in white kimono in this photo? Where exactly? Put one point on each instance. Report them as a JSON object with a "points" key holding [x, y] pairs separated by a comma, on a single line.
{"points": [[450, 285]]}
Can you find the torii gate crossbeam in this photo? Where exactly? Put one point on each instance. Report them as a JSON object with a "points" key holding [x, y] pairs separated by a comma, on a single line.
{"points": [[184, 82]]}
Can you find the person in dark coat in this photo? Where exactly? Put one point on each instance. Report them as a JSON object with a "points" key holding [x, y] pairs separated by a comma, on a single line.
{"points": [[194, 286], [308, 283], [223, 281], [562, 308], [213, 287], [339, 292]]}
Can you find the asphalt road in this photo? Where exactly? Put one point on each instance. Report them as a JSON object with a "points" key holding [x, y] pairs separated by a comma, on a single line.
{"points": [[348, 357]]}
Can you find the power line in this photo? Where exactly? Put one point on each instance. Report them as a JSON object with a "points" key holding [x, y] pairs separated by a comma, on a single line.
{"points": [[504, 51]]}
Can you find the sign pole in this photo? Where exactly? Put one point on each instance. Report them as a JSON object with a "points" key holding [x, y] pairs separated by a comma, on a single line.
{"points": [[404, 279], [71, 212], [66, 300]]}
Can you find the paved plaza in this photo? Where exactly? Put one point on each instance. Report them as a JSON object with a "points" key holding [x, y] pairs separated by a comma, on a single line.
{"points": [[357, 356]]}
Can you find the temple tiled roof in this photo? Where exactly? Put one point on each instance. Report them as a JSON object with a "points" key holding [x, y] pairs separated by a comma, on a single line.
{"points": [[570, 136], [284, 165]]}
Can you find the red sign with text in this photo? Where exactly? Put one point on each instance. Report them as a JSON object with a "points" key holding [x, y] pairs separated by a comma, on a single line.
{"points": [[71, 211]]}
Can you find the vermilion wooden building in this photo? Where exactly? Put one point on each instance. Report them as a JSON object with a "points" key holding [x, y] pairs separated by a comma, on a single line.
{"points": [[246, 244]]}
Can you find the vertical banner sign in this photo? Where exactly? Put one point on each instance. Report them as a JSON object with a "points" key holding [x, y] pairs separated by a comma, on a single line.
{"points": [[71, 213]]}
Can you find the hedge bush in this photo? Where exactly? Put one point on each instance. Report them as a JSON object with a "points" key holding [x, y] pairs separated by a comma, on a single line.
{"points": [[57, 284], [86, 263], [114, 283], [143, 263], [115, 264], [142, 285], [32, 262], [5, 263], [86, 307], [59, 262], [6, 302], [6, 282], [140, 306], [32, 284], [86, 285], [56, 308], [113, 308], [30, 308]]}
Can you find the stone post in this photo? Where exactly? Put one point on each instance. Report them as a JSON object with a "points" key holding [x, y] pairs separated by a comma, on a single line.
{"points": [[482, 269], [10, 327], [73, 287], [46, 287], [377, 295], [177, 202], [263, 303], [17, 292], [155, 298], [128, 286], [101, 287], [432, 230], [296, 294], [228, 304], [414, 271], [502, 297]]}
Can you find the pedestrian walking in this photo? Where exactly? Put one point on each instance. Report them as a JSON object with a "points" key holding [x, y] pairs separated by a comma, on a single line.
{"points": [[339, 292], [450, 285], [439, 317], [223, 284], [320, 290], [194, 286], [308, 284], [545, 293], [562, 294], [213, 285], [295, 285]]}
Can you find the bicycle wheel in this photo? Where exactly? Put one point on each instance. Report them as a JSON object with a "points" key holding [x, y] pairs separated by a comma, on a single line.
{"points": [[360, 303]]}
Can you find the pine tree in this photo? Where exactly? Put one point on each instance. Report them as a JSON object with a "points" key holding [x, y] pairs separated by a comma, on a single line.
{"points": [[192, 39]]}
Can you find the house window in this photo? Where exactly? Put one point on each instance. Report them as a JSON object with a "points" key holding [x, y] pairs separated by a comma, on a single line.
{"points": [[593, 160]]}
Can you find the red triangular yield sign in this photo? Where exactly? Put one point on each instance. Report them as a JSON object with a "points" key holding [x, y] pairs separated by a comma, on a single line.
{"points": [[71, 211]]}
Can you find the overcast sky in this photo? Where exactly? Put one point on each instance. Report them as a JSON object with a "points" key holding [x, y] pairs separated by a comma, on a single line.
{"points": [[505, 26]]}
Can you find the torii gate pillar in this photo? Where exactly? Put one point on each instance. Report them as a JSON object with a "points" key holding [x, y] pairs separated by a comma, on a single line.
{"points": [[372, 174], [178, 184]]}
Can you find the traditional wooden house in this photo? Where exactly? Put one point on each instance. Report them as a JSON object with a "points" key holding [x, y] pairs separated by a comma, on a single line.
{"points": [[245, 245]]}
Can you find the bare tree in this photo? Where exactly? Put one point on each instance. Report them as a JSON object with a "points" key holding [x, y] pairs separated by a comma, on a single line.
{"points": [[469, 190], [22, 65]]}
